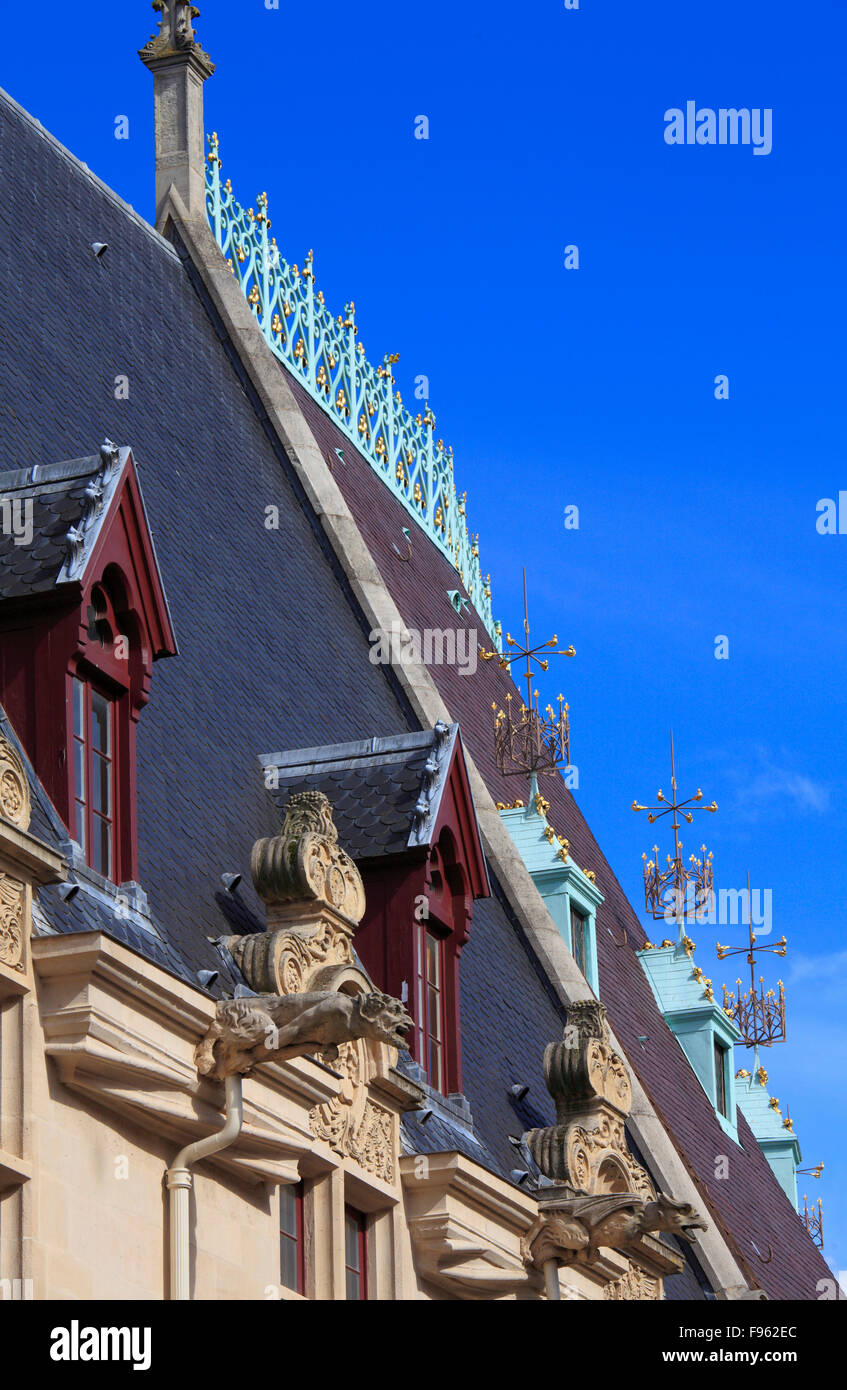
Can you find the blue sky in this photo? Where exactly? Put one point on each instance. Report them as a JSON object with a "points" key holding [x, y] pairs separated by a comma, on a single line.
{"points": [[592, 387]]}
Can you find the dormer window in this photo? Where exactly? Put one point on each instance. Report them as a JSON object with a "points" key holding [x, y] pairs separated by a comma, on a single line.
{"points": [[80, 627]]}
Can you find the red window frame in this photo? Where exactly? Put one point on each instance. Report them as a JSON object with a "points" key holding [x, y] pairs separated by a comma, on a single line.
{"points": [[430, 1000], [292, 1240], [88, 763], [355, 1247]]}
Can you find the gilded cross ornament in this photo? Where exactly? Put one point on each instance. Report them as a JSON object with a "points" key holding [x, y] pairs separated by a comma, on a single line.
{"points": [[528, 743], [678, 891], [758, 1013]]}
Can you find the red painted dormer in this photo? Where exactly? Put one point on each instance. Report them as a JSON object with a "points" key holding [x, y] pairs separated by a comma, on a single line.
{"points": [[418, 919], [83, 616]]}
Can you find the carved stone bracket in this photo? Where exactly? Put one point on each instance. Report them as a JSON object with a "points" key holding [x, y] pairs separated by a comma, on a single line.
{"points": [[315, 899]]}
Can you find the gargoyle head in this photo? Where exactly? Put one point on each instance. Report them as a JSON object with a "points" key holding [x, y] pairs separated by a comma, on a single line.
{"points": [[384, 1019], [665, 1214]]}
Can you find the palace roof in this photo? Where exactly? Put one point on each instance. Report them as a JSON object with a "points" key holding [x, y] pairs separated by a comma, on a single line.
{"points": [[274, 655]]}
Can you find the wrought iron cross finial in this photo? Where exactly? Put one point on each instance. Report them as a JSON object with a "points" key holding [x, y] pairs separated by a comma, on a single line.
{"points": [[530, 744], [760, 1013], [665, 891]]}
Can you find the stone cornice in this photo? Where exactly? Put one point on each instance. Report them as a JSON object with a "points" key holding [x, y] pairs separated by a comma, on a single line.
{"points": [[24, 855]]}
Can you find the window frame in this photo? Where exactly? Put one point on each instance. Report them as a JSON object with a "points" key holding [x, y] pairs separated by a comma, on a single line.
{"points": [[424, 988], [83, 806]]}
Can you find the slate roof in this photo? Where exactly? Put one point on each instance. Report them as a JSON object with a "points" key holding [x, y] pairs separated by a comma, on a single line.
{"points": [[274, 651], [59, 502], [385, 792]]}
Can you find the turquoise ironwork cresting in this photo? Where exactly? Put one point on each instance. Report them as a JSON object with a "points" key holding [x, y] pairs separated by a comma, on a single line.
{"points": [[322, 352]]}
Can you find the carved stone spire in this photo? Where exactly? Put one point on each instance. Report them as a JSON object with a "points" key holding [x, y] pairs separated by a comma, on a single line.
{"points": [[180, 67]]}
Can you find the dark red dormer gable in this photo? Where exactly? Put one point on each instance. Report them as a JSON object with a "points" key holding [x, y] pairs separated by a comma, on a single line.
{"points": [[83, 616]]}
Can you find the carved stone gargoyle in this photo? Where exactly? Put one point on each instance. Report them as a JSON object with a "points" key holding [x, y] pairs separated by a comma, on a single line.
{"points": [[602, 1197], [311, 995], [248, 1031]]}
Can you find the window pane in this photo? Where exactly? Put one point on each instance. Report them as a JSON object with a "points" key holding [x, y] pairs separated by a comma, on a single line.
{"points": [[79, 708], [351, 1241], [79, 830], [101, 784], [79, 770], [101, 733], [354, 1287], [435, 1063], [288, 1211], [288, 1272], [578, 939], [101, 856], [720, 1079], [432, 959]]}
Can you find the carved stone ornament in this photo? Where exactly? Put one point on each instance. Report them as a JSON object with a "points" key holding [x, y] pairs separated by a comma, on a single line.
{"points": [[12, 910], [602, 1196], [351, 1123], [636, 1286], [14, 789], [248, 1031], [587, 1150], [315, 899], [176, 36]]}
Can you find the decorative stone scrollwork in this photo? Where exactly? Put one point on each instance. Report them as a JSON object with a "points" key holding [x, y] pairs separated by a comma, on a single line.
{"points": [[14, 789], [635, 1286], [587, 1148], [315, 898], [351, 1123], [306, 861], [602, 1197], [12, 911]]}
